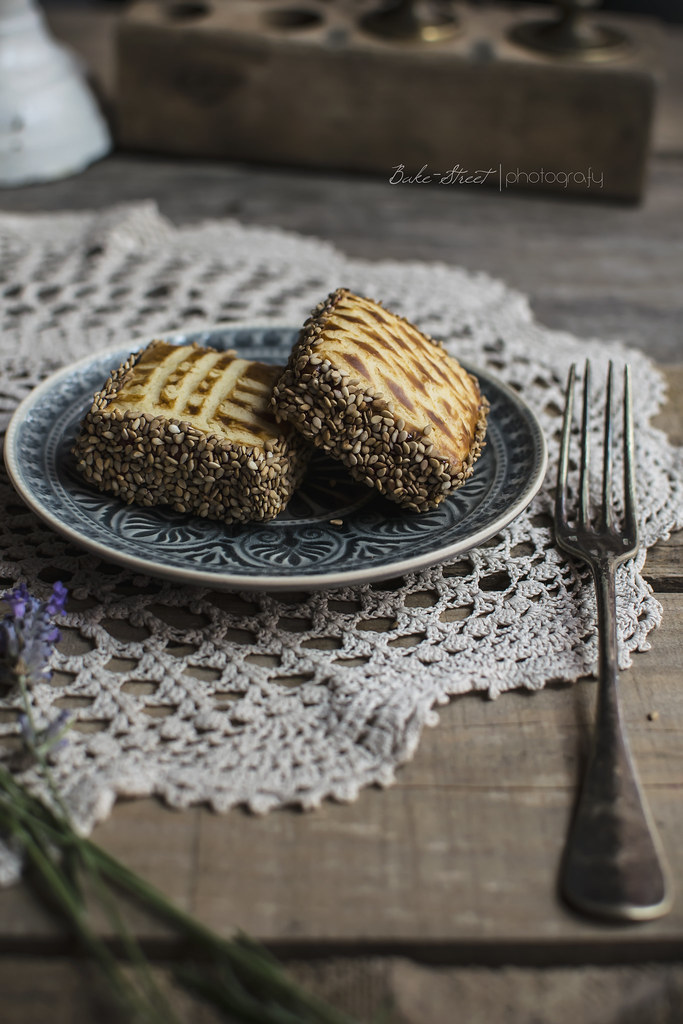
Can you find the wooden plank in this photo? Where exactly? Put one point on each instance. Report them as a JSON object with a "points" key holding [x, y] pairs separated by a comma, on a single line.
{"points": [[590, 995], [464, 850], [664, 565], [489, 834], [458, 861], [460, 854], [595, 287], [670, 419], [390, 989], [91, 33], [66, 991], [234, 81]]}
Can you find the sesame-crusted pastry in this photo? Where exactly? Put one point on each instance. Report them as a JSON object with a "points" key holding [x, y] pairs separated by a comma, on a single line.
{"points": [[192, 428], [371, 390]]}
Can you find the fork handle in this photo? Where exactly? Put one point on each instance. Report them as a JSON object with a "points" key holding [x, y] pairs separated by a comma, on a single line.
{"points": [[612, 867]]}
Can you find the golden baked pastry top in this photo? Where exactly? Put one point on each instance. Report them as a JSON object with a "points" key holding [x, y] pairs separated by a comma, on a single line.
{"points": [[421, 383], [215, 392]]}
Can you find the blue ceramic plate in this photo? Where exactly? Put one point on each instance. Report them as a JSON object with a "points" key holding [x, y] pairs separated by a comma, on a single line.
{"points": [[302, 547]]}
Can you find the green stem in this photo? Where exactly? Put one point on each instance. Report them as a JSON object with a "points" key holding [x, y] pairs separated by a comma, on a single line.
{"points": [[253, 980], [21, 820], [150, 1006], [158, 1003], [260, 968], [72, 909], [39, 752], [230, 997], [28, 710], [254, 964]]}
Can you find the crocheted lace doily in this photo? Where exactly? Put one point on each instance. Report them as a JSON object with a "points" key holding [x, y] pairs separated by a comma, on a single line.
{"points": [[201, 699]]}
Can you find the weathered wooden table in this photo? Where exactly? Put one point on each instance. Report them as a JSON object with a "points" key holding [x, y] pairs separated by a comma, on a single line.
{"points": [[440, 893]]}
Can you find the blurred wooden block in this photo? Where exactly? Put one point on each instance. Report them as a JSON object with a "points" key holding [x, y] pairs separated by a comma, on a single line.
{"points": [[269, 80]]}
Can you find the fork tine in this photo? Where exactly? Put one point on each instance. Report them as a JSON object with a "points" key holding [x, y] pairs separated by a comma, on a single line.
{"points": [[606, 514], [584, 486], [630, 518], [563, 464]]}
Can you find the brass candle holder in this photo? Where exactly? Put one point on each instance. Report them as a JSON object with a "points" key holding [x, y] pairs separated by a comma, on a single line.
{"points": [[574, 34], [413, 21]]}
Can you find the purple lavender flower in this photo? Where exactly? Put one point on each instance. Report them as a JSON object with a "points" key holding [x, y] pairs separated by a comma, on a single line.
{"points": [[28, 634], [48, 740], [56, 602]]}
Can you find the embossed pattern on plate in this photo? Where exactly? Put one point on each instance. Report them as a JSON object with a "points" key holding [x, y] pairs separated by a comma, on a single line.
{"points": [[302, 547]]}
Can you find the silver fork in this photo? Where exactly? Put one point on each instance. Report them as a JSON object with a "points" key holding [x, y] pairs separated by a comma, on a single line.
{"points": [[613, 866]]}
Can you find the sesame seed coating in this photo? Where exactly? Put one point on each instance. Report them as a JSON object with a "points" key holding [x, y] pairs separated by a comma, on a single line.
{"points": [[366, 423], [125, 450]]}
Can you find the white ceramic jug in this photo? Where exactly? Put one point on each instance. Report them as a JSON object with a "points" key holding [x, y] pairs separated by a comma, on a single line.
{"points": [[50, 125]]}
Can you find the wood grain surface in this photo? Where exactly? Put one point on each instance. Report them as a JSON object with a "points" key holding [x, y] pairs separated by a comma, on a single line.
{"points": [[601, 270], [598, 270], [455, 866], [235, 82], [457, 863]]}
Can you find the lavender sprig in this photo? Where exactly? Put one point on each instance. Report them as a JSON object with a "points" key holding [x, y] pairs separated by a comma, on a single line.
{"points": [[239, 978], [28, 634], [48, 740]]}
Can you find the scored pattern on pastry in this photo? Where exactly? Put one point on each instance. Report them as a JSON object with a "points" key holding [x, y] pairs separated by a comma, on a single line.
{"points": [[191, 427], [370, 389], [412, 372], [216, 391]]}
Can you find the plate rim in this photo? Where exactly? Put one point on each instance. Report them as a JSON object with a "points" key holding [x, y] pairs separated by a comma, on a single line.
{"points": [[231, 581]]}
